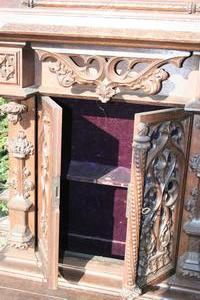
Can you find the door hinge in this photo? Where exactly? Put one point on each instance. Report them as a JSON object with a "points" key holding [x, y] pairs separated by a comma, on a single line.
{"points": [[56, 192]]}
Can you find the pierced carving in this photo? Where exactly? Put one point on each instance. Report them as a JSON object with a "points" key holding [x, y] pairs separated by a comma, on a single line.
{"points": [[21, 147], [165, 164], [14, 111], [7, 67], [106, 74]]}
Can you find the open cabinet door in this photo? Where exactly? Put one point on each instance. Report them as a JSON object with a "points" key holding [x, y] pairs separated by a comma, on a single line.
{"points": [[156, 193], [49, 168]]}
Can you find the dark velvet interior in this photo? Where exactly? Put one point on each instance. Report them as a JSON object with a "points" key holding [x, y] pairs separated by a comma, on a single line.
{"points": [[93, 217]]}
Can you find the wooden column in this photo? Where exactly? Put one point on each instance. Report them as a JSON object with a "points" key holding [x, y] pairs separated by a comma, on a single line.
{"points": [[21, 139]]}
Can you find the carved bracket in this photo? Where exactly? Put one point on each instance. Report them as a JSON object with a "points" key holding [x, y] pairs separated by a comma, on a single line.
{"points": [[14, 111], [107, 74], [195, 164]]}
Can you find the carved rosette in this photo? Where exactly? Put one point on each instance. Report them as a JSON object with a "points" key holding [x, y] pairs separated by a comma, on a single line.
{"points": [[105, 74], [14, 111], [141, 144]]}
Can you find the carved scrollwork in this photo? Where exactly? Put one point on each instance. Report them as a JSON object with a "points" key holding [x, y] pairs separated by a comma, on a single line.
{"points": [[106, 74], [14, 111], [20, 147], [161, 193], [7, 67]]}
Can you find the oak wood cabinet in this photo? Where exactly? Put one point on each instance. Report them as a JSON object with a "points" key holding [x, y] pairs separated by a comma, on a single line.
{"points": [[103, 145]]}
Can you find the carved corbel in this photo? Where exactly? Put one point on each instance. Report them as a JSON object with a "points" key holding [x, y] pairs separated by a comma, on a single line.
{"points": [[14, 111], [141, 145]]}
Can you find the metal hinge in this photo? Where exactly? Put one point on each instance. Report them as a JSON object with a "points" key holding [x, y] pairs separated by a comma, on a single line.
{"points": [[56, 192]]}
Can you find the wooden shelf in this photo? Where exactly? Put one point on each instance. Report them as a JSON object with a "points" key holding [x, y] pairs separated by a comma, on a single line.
{"points": [[99, 174]]}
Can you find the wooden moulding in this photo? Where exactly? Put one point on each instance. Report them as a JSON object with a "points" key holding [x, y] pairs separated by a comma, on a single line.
{"points": [[189, 7]]}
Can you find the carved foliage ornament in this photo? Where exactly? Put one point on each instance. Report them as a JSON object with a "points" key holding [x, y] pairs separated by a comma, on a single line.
{"points": [[107, 73], [20, 147], [14, 111], [195, 164]]}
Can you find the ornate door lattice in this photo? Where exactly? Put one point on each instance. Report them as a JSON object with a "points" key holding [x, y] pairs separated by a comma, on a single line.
{"points": [[49, 157], [163, 194]]}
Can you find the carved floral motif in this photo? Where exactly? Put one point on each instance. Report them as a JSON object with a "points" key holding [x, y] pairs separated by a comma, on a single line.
{"points": [[106, 75], [7, 67], [195, 164], [191, 204], [14, 111], [20, 147]]}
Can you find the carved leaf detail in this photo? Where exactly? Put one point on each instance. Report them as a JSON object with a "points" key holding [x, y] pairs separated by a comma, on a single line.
{"points": [[107, 74]]}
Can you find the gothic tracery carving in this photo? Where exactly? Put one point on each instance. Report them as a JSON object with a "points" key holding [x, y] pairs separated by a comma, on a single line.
{"points": [[105, 74], [164, 167]]}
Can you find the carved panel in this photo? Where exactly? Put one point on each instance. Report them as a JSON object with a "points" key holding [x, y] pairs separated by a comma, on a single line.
{"points": [[162, 195], [8, 68], [107, 75]]}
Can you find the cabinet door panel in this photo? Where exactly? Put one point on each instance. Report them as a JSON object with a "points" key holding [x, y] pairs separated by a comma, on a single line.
{"points": [[49, 168], [160, 154]]}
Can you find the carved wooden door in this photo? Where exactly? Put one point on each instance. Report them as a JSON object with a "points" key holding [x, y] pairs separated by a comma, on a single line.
{"points": [[49, 166], [160, 154]]}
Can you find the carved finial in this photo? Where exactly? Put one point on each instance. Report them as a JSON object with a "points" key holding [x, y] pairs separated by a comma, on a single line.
{"points": [[142, 129], [21, 147], [142, 139], [14, 111]]}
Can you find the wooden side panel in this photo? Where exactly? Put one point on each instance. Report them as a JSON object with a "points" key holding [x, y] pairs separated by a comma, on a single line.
{"points": [[49, 160], [160, 155]]}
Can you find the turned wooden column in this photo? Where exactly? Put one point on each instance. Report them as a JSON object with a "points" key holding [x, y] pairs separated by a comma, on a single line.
{"points": [[141, 144], [21, 117]]}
